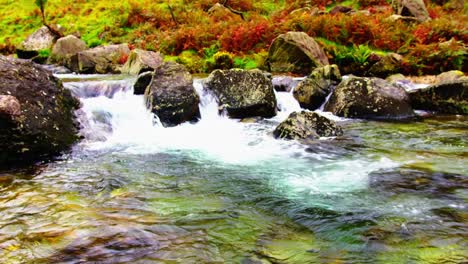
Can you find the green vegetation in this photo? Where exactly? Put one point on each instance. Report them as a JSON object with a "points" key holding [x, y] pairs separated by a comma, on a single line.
{"points": [[185, 29]]}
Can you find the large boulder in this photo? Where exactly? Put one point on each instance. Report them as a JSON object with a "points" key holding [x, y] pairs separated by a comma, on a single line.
{"points": [[39, 40], [243, 93], [140, 61], [65, 48], [36, 113], [103, 59], [306, 125], [295, 52], [370, 98], [449, 97], [411, 8], [312, 92], [171, 95], [142, 82]]}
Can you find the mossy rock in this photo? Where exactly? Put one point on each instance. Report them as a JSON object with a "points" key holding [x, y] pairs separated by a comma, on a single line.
{"points": [[243, 93], [295, 52], [370, 98], [312, 92], [171, 95], [446, 97], [306, 125], [43, 124]]}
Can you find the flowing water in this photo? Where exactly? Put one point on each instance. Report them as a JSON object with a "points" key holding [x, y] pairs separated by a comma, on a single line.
{"points": [[224, 191]]}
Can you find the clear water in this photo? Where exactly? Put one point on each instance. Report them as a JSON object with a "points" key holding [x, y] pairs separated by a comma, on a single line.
{"points": [[224, 191]]}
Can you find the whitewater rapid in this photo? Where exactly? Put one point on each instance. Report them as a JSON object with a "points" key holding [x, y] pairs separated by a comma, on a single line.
{"points": [[117, 121]]}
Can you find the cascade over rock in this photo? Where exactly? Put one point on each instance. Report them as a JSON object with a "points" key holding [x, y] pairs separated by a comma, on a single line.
{"points": [[450, 97], [295, 52], [284, 83], [65, 48], [306, 125], [312, 92], [140, 61], [142, 82], [36, 113], [243, 93], [370, 98], [104, 59], [171, 95]]}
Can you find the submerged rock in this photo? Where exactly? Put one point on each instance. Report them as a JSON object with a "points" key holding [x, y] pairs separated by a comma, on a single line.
{"points": [[104, 59], [65, 48], [36, 113], [306, 125], [422, 182], [171, 95], [370, 98], [295, 52], [140, 61], [243, 93], [313, 90], [142, 82], [446, 97]]}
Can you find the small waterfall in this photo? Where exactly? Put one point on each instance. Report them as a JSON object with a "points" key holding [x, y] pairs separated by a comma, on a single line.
{"points": [[208, 103], [108, 89]]}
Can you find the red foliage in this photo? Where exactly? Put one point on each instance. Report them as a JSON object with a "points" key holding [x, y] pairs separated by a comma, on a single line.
{"points": [[246, 37], [123, 58], [422, 34]]}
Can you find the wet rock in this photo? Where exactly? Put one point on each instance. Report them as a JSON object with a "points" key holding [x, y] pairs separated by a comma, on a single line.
{"points": [[387, 65], [142, 82], [370, 98], [36, 116], [284, 83], [411, 8], [313, 90], [140, 61], [56, 69], [243, 93], [65, 48], [306, 125], [104, 59], [97, 88], [446, 97], [295, 52], [39, 40], [171, 95]]}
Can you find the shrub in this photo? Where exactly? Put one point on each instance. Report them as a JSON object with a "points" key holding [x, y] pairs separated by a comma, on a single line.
{"points": [[223, 60]]}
